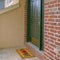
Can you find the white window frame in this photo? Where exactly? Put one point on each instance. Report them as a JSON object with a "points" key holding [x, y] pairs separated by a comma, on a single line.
{"points": [[8, 3], [9, 6]]}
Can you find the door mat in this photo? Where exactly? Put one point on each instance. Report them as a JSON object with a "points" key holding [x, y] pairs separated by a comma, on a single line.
{"points": [[25, 53]]}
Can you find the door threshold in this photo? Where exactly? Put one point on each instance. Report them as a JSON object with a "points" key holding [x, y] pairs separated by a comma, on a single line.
{"points": [[35, 47]]}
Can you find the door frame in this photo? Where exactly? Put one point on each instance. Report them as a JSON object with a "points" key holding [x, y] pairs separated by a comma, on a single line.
{"points": [[41, 24]]}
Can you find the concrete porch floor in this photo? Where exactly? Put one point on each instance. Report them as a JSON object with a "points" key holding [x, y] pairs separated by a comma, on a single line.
{"points": [[11, 54]]}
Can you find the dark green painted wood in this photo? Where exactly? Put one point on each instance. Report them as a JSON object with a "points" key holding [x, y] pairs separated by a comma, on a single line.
{"points": [[42, 26], [28, 21], [35, 21]]}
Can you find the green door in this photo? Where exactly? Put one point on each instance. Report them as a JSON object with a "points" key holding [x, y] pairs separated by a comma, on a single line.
{"points": [[35, 22]]}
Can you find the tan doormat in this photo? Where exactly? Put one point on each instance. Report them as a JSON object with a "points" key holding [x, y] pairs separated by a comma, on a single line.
{"points": [[24, 53]]}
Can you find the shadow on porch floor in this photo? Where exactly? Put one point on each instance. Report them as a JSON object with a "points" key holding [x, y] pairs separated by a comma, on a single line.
{"points": [[11, 54]]}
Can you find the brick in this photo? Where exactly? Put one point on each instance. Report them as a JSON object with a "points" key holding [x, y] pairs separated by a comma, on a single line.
{"points": [[49, 33], [46, 16], [53, 45], [58, 8], [57, 43], [46, 3], [50, 47], [58, 55], [53, 2], [57, 5], [57, 28], [53, 38], [53, 31], [50, 6], [58, 24], [51, 27], [58, 16], [45, 32], [53, 16], [46, 49], [52, 23], [59, 52], [54, 9], [47, 10], [58, 40], [57, 58], [46, 36], [45, 45], [51, 20], [58, 0], [49, 13], [57, 35], [45, 26], [51, 41], [50, 54], [51, 51], [45, 42], [46, 19], [46, 55], [46, 23], [56, 12], [57, 20], [46, 29]]}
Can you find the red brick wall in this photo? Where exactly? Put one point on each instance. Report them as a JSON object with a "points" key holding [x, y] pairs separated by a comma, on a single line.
{"points": [[51, 31]]}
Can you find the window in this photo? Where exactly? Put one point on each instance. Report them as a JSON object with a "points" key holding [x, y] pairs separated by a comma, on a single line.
{"points": [[1, 4], [8, 3]]}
